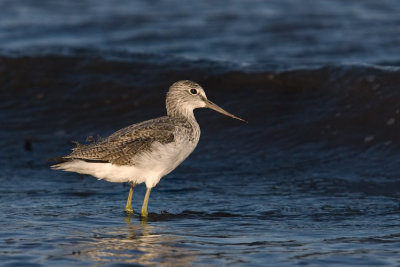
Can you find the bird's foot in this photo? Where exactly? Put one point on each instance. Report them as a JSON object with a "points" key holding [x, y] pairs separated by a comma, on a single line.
{"points": [[129, 210], [144, 214]]}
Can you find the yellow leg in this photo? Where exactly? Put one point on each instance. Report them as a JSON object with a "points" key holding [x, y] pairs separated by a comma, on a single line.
{"points": [[144, 212], [128, 207]]}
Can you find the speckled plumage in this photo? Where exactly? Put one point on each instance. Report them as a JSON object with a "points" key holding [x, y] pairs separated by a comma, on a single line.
{"points": [[125, 146]]}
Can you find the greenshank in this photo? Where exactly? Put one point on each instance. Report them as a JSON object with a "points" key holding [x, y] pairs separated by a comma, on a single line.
{"points": [[145, 152]]}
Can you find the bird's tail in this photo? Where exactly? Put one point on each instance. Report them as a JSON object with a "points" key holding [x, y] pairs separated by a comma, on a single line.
{"points": [[57, 162]]}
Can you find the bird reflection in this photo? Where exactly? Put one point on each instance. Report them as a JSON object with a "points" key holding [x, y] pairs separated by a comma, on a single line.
{"points": [[138, 243]]}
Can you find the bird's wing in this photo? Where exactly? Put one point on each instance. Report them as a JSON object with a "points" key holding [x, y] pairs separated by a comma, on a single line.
{"points": [[121, 147]]}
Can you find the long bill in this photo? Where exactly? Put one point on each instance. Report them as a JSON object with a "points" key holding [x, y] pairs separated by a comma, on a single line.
{"points": [[215, 107]]}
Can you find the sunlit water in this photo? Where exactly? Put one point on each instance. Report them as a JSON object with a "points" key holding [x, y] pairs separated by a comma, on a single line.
{"points": [[196, 219]]}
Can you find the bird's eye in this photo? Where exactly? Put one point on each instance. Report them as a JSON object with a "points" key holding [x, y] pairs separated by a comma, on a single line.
{"points": [[193, 91]]}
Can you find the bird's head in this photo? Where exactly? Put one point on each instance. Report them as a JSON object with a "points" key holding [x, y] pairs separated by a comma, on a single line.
{"points": [[185, 96]]}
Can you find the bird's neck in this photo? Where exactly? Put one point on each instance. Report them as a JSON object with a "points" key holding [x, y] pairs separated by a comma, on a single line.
{"points": [[184, 112]]}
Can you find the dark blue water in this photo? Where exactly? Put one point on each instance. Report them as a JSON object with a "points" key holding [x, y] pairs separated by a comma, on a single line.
{"points": [[313, 179]]}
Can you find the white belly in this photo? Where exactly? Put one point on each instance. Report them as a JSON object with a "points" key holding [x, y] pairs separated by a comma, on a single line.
{"points": [[150, 166]]}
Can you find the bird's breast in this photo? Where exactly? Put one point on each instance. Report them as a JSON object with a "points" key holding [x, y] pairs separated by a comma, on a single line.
{"points": [[163, 158]]}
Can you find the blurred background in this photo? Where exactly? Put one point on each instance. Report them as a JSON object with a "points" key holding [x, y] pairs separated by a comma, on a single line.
{"points": [[242, 32], [312, 179]]}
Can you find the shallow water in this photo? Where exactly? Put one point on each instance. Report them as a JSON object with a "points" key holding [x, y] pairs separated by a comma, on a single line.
{"points": [[198, 219], [313, 179]]}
